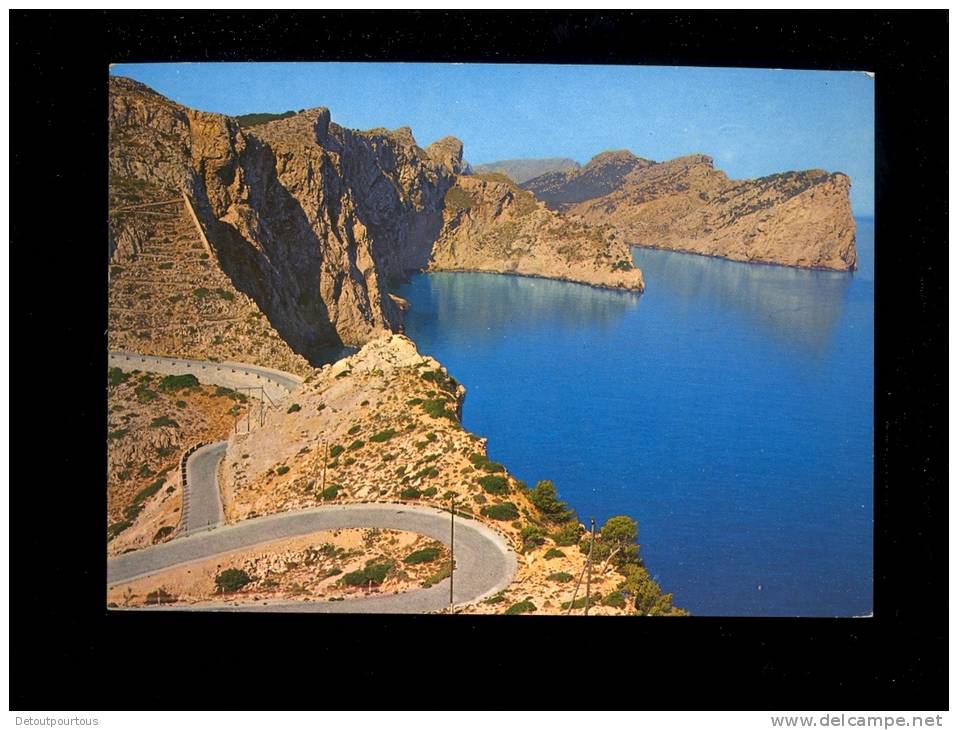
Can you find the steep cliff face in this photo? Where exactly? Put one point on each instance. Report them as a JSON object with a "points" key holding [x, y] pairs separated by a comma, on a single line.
{"points": [[792, 218], [493, 225], [304, 217]]}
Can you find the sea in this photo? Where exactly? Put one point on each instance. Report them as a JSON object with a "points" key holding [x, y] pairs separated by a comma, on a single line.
{"points": [[728, 409]]}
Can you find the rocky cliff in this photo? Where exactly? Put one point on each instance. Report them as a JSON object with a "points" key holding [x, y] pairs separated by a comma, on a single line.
{"points": [[793, 218], [306, 218], [300, 223], [490, 224]]}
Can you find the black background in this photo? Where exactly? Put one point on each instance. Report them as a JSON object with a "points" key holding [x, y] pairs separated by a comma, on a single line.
{"points": [[68, 652]]}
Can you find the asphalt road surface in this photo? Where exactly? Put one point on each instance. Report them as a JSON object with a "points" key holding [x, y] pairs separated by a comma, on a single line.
{"points": [[484, 563], [276, 383], [203, 507]]}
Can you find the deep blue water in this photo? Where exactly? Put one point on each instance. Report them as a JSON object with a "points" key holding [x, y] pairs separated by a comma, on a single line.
{"points": [[728, 409]]}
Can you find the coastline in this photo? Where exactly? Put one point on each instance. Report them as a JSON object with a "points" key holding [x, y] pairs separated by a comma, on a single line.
{"points": [[567, 280]]}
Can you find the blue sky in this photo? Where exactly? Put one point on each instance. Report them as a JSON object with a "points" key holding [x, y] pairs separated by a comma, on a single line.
{"points": [[753, 122]]}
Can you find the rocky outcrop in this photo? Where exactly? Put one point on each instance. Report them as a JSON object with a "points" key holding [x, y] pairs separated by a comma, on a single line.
{"points": [[305, 217], [493, 225], [793, 218]]}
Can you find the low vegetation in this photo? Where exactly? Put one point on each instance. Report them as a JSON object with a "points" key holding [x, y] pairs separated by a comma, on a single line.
{"points": [[423, 555], [521, 607], [503, 512], [231, 580]]}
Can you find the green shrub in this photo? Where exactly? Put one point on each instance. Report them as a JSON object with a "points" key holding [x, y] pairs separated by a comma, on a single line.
{"points": [[410, 493], [424, 555], [614, 599], [231, 580], [155, 598], [545, 500], [161, 421], [506, 511], [293, 408], [444, 572], [173, 383], [115, 376], [374, 573], [147, 492], [494, 484], [228, 296], [257, 118], [568, 534], [330, 493], [357, 444], [521, 607], [554, 553], [116, 528], [594, 600], [436, 407], [429, 492], [414, 401], [561, 577], [383, 436], [280, 470], [118, 434], [617, 538], [336, 450], [481, 461], [354, 430], [166, 265], [532, 535], [498, 598], [181, 404], [144, 394]]}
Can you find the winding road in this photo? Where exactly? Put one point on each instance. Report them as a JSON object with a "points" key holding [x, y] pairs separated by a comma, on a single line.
{"points": [[484, 562], [202, 506], [276, 383]]}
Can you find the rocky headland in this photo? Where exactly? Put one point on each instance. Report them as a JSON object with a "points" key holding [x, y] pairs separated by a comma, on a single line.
{"points": [[491, 224], [801, 219]]}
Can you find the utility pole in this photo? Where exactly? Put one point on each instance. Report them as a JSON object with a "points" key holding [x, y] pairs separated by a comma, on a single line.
{"points": [[588, 580], [452, 546], [262, 407]]}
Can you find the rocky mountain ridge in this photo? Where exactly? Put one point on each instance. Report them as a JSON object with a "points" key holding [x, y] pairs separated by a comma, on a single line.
{"points": [[523, 169], [800, 218]]}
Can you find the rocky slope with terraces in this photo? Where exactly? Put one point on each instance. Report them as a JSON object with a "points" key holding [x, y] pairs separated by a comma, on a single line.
{"points": [[799, 218], [306, 218]]}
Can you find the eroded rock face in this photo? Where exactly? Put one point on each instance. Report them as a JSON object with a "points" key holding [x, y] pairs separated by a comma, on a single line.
{"points": [[493, 225], [305, 217], [793, 218]]}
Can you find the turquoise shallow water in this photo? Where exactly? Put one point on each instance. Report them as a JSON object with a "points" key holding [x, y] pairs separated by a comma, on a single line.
{"points": [[728, 409]]}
